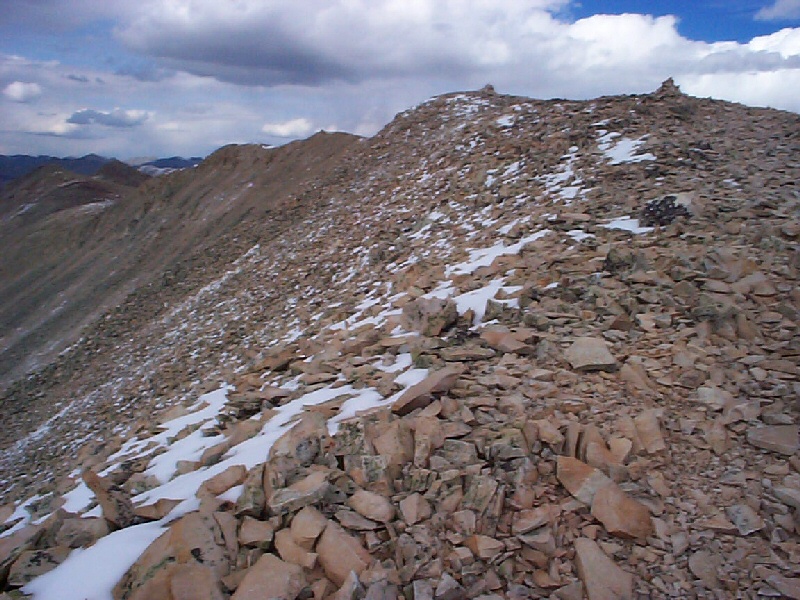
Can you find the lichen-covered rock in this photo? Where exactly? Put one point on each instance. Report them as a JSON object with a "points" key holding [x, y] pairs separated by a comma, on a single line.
{"points": [[32, 563], [429, 316], [115, 503]]}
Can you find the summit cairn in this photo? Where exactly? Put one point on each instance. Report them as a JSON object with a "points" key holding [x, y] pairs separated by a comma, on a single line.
{"points": [[667, 89]]}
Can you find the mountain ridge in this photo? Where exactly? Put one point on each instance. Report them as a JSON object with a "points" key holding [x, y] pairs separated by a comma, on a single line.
{"points": [[533, 347], [127, 239], [15, 166]]}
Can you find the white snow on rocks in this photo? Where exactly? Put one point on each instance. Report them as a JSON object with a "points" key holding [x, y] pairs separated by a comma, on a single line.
{"points": [[92, 573], [483, 257], [627, 223], [620, 149]]}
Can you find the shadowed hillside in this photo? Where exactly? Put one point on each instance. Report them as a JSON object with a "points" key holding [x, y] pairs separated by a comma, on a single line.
{"points": [[75, 246]]}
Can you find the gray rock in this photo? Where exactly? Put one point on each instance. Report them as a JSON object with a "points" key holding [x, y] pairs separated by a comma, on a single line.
{"points": [[78, 533], [783, 439], [590, 354]]}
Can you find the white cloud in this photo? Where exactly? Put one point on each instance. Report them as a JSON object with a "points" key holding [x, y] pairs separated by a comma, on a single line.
{"points": [[292, 128], [208, 73], [521, 45], [782, 9], [776, 89], [273, 42], [785, 42], [20, 91]]}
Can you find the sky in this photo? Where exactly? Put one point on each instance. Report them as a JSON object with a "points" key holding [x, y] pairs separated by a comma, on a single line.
{"points": [[184, 77]]}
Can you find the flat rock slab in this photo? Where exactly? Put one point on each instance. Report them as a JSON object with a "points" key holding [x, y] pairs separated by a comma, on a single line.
{"points": [[340, 553], [581, 480], [504, 341], [602, 578], [590, 354], [253, 532], [158, 510], [705, 565], [747, 521], [372, 506], [620, 514], [307, 526], [420, 395], [788, 586], [783, 439], [271, 577]]}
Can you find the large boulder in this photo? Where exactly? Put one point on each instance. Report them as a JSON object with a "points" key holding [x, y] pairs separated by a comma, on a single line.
{"points": [[115, 503], [429, 316], [195, 540], [271, 577], [339, 553]]}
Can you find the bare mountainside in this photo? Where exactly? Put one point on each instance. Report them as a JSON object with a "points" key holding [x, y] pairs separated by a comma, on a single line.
{"points": [[506, 348], [76, 246]]}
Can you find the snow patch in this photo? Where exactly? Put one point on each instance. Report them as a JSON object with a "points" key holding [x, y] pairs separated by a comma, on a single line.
{"points": [[627, 223], [623, 150], [92, 573], [484, 257]]}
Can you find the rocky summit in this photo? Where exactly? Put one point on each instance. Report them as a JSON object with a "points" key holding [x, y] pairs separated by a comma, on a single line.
{"points": [[506, 348]]}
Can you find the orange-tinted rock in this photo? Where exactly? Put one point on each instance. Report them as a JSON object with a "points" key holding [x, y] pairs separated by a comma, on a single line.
{"points": [[339, 553], [581, 480], [602, 578], [271, 577], [621, 515], [421, 394]]}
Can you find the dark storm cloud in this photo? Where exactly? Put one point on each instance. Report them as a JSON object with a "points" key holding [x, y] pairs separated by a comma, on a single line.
{"points": [[115, 118], [315, 42], [249, 56]]}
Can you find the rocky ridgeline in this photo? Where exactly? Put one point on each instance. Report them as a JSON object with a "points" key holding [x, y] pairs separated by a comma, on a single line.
{"points": [[518, 349]]}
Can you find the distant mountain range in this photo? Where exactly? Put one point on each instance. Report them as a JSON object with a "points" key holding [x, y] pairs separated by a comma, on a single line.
{"points": [[18, 165]]}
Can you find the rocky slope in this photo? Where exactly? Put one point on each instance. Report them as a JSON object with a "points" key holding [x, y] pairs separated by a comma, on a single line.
{"points": [[507, 348]]}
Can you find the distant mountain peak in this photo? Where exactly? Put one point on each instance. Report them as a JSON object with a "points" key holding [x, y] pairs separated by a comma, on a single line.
{"points": [[15, 166]]}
